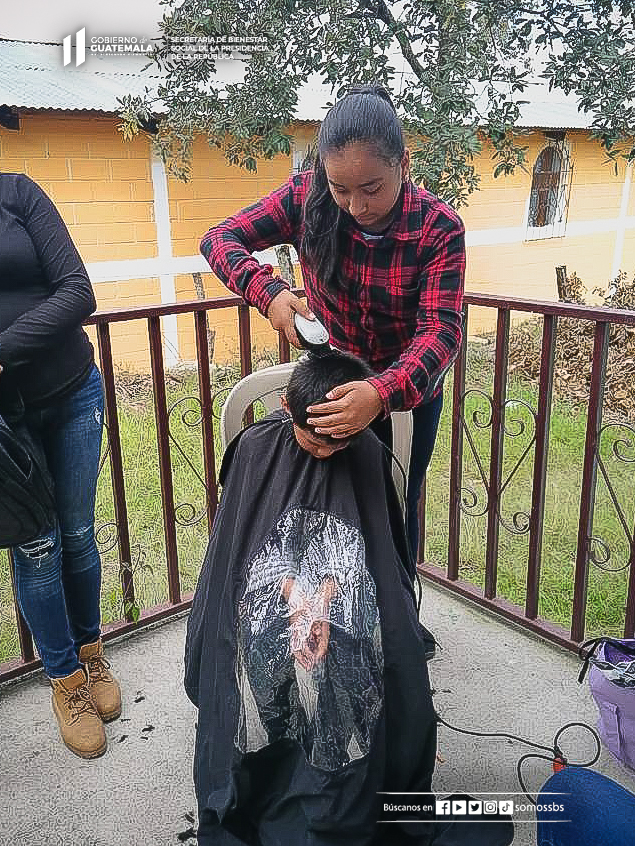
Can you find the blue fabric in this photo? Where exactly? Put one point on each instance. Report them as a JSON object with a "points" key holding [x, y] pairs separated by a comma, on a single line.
{"points": [[425, 423], [58, 576], [602, 813]]}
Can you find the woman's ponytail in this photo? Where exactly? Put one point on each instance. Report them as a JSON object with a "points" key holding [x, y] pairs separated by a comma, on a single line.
{"points": [[320, 239]]}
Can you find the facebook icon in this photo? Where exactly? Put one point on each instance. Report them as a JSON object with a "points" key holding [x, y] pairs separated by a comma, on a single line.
{"points": [[443, 807]]}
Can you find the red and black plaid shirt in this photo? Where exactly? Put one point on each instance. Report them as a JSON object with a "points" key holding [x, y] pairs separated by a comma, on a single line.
{"points": [[400, 308]]}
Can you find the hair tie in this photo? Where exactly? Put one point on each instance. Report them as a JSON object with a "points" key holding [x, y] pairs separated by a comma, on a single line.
{"points": [[376, 90]]}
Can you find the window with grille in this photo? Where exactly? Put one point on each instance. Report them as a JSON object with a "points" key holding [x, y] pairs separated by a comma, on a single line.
{"points": [[550, 189]]}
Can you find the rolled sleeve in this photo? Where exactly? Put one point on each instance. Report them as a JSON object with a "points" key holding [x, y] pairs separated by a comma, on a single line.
{"points": [[228, 247]]}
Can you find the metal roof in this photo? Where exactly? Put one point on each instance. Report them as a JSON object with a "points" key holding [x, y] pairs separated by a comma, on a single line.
{"points": [[544, 110], [32, 76], [551, 109]]}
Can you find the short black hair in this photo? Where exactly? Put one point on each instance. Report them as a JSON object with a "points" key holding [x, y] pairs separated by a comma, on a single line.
{"points": [[315, 375]]}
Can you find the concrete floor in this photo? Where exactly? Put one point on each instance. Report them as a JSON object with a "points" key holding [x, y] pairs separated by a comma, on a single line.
{"points": [[489, 676]]}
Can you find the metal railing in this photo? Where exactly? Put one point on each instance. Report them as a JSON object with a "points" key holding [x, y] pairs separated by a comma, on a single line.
{"points": [[493, 481]]}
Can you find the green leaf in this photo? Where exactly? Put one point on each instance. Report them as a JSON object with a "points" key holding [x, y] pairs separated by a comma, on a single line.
{"points": [[132, 609], [444, 45]]}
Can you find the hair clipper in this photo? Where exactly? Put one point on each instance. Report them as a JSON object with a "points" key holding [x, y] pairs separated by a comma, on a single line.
{"points": [[311, 334]]}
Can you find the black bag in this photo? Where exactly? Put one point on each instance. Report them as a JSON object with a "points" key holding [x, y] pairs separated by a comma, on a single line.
{"points": [[27, 498]]}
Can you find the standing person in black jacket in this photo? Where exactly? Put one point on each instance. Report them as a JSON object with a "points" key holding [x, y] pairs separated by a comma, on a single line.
{"points": [[47, 366]]}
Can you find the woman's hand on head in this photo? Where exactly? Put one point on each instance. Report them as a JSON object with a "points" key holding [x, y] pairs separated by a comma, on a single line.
{"points": [[351, 408], [280, 314]]}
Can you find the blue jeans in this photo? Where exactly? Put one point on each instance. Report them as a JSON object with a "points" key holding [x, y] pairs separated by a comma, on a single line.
{"points": [[602, 813], [425, 423], [58, 576]]}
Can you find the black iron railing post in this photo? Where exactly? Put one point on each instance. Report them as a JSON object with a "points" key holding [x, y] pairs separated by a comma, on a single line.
{"points": [[496, 450], [545, 390], [165, 463], [589, 475], [116, 468], [207, 425], [456, 455]]}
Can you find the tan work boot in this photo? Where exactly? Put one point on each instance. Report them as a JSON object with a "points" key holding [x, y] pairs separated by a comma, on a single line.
{"points": [[80, 725], [104, 689]]}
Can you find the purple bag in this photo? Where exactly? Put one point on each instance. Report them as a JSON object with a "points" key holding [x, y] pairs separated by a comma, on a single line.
{"points": [[612, 684]]}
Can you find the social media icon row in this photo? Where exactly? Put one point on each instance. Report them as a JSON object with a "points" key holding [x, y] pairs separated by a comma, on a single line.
{"points": [[474, 807]]}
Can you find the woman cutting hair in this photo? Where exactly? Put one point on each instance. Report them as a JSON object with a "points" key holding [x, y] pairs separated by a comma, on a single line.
{"points": [[383, 263]]}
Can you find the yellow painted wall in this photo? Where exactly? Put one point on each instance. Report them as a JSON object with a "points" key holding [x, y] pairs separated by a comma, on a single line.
{"points": [[596, 191], [215, 191], [527, 268], [499, 202], [100, 184], [629, 250], [630, 209], [129, 339], [103, 189], [595, 188], [304, 135]]}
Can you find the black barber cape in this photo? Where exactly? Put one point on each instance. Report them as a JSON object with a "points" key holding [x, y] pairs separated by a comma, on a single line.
{"points": [[304, 653]]}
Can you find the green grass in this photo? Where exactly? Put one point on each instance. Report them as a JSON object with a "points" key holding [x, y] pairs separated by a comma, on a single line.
{"points": [[606, 593], [606, 590]]}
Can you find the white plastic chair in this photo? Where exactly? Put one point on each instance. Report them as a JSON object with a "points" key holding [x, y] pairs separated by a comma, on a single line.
{"points": [[268, 384]]}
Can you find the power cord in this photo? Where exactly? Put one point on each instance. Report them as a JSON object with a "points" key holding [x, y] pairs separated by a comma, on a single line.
{"points": [[411, 561], [556, 756]]}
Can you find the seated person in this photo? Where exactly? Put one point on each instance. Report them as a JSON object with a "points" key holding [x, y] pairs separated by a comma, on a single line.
{"points": [[304, 653]]}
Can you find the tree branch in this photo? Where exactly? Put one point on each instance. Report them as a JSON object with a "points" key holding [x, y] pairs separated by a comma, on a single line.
{"points": [[558, 27], [383, 13]]}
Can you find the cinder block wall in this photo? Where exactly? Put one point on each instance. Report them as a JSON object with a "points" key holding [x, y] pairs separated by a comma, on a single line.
{"points": [[101, 187], [215, 191], [527, 268]]}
